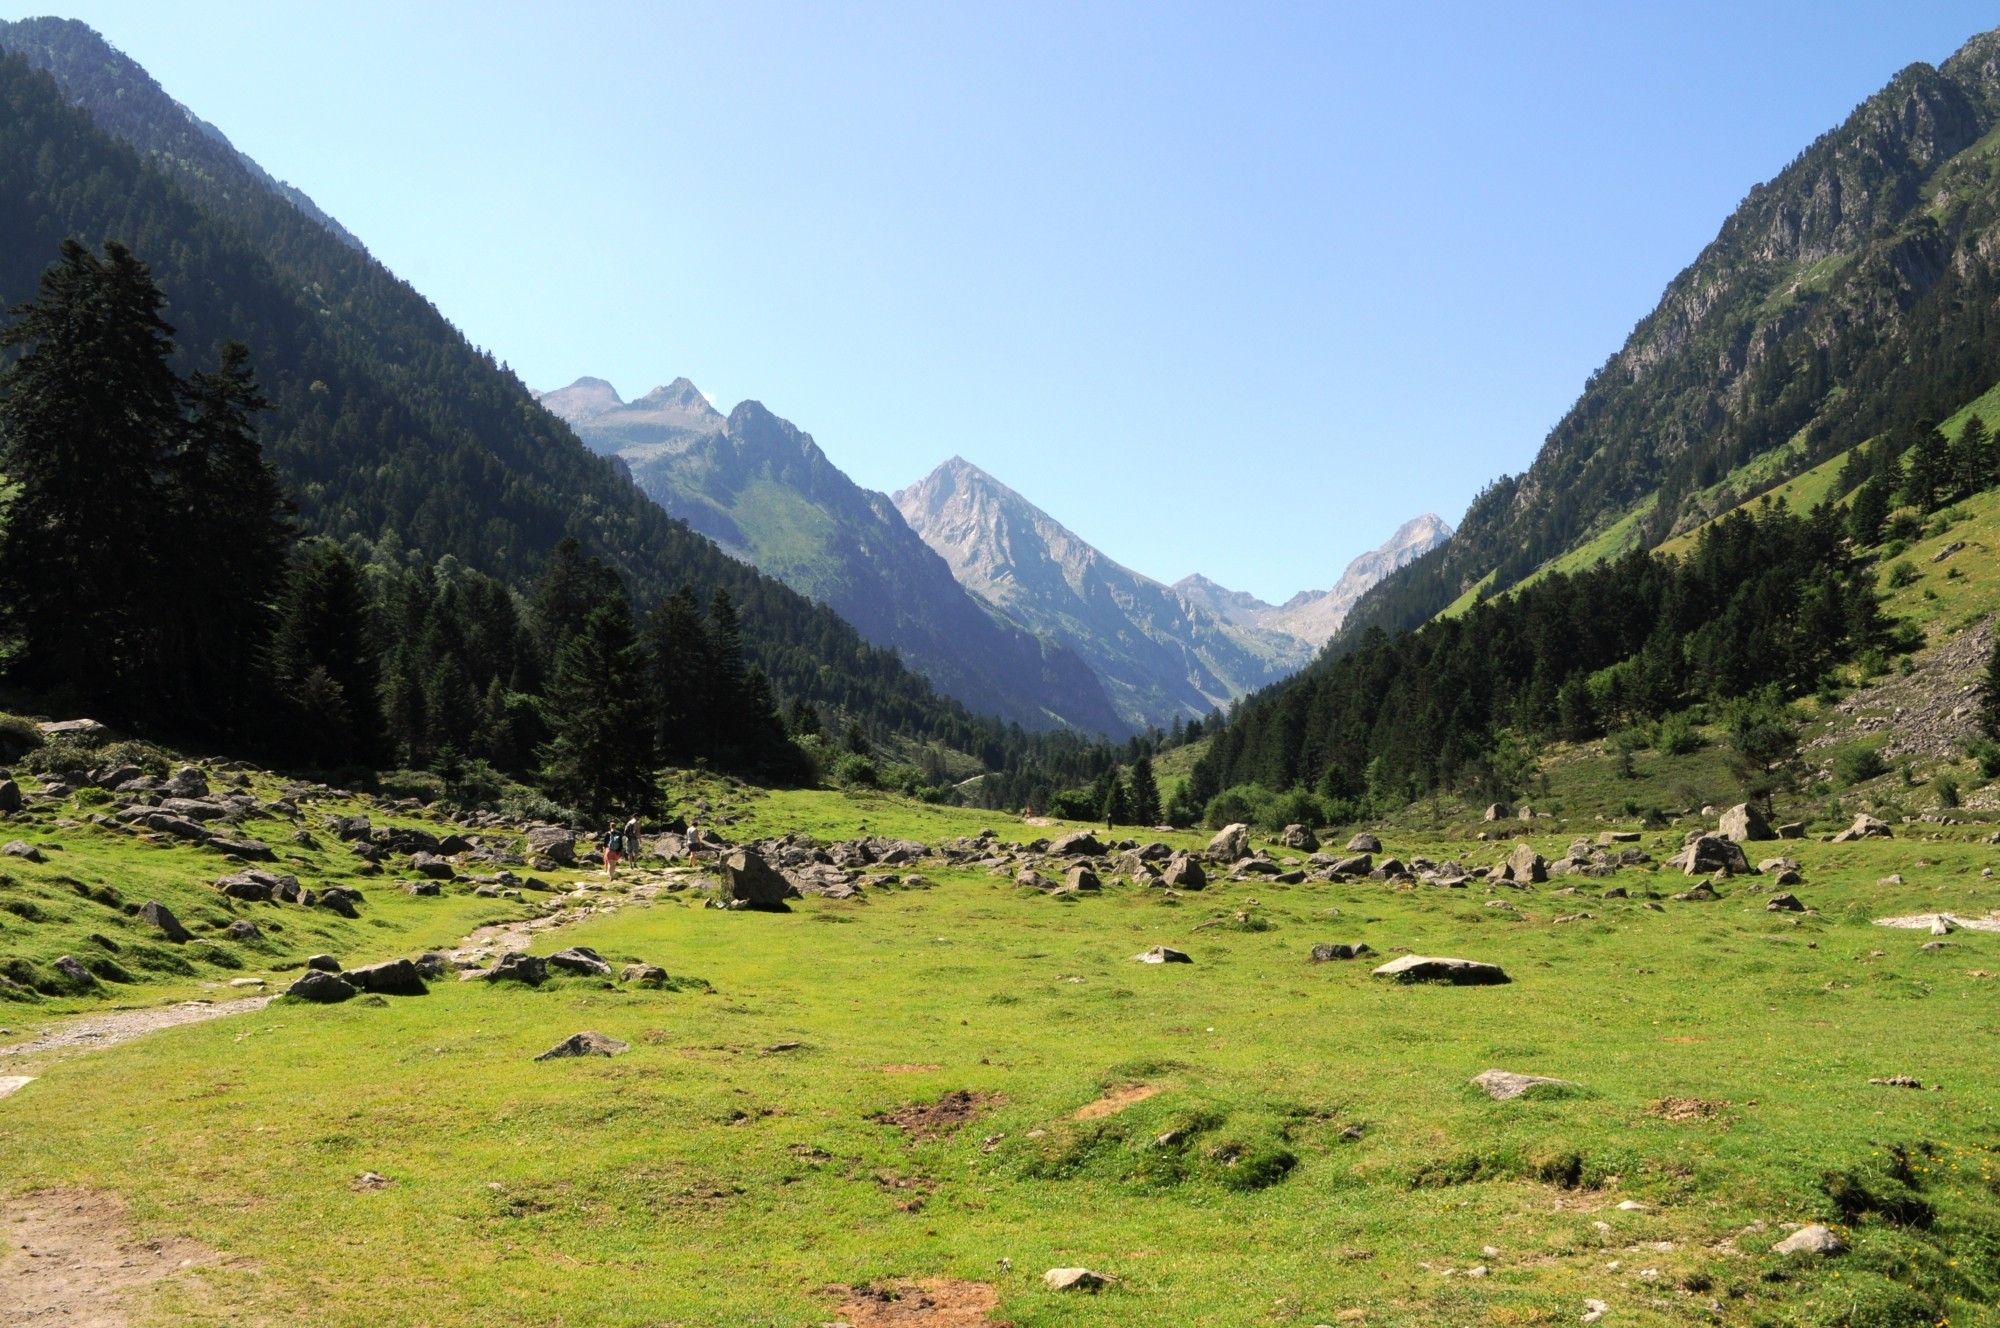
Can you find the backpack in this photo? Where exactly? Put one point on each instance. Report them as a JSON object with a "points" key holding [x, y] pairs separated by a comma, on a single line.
{"points": [[615, 842]]}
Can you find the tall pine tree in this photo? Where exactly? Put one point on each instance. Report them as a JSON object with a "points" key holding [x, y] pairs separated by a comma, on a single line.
{"points": [[602, 758]]}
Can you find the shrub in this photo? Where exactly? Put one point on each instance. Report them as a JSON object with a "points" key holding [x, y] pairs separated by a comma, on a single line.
{"points": [[1297, 807], [1857, 765], [1987, 753], [1947, 790], [422, 785], [18, 736], [1677, 736], [852, 770], [1902, 574], [1236, 804]]}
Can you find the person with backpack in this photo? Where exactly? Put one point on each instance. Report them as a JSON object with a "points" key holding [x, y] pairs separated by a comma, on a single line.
{"points": [[614, 849], [632, 845]]}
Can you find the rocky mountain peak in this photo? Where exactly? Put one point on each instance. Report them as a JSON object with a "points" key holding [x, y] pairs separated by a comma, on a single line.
{"points": [[677, 395]]}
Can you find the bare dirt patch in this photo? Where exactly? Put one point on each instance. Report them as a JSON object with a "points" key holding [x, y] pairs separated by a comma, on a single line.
{"points": [[1679, 1109], [74, 1258], [934, 1120], [1954, 921], [936, 1303], [1115, 1101]]}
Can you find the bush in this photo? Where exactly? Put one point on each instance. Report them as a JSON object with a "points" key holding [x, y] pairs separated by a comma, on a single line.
{"points": [[1903, 574], [75, 756], [1297, 807], [421, 785], [1857, 765], [1236, 804], [1987, 753], [19, 735], [1947, 790], [851, 770], [520, 803], [1677, 736]]}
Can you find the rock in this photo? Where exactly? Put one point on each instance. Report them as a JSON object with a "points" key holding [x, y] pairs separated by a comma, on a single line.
{"points": [[1162, 954], [1428, 968], [1527, 865], [1792, 830], [10, 797], [748, 881], [15, 848], [423, 889], [1864, 827], [1231, 843], [323, 963], [322, 988], [555, 844], [585, 1044], [646, 975], [1897, 1081], [1074, 1279], [1300, 838], [1526, 814], [1698, 894], [335, 899], [397, 977], [1080, 877], [432, 867], [432, 965], [72, 968], [1743, 823], [1814, 1239], [1594, 1310], [582, 960], [1501, 1085], [1942, 926], [251, 850], [1077, 844], [1364, 843], [1708, 853], [242, 929], [1784, 903], [1358, 865], [1948, 550], [1184, 872], [81, 730], [162, 917], [518, 967], [1497, 812], [1325, 953]]}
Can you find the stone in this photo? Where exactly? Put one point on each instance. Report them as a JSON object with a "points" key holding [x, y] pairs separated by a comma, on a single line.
{"points": [[581, 960], [423, 889], [1503, 1085], [553, 843], [1708, 853], [432, 867], [1698, 894], [162, 917], [251, 850], [1184, 872], [748, 881], [646, 975], [1496, 812], [1364, 843], [335, 899], [10, 797], [585, 1044], [431, 965], [1080, 877], [82, 730], [72, 968], [15, 848], [1358, 865], [1864, 827], [1300, 838], [1815, 1239], [1784, 903], [1074, 1279], [242, 929], [1327, 952], [323, 988], [1792, 830], [1594, 1311], [1231, 843], [1077, 844], [518, 967], [1744, 823], [1431, 968], [323, 963], [1528, 865], [1163, 954], [397, 977]]}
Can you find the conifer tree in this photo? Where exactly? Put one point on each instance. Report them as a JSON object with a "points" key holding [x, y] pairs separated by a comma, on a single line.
{"points": [[1989, 693], [602, 757], [323, 660], [676, 646], [1145, 793], [1117, 808], [1927, 476]]}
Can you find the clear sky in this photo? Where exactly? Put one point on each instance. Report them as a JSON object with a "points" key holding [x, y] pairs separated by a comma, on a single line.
{"points": [[1234, 288]]}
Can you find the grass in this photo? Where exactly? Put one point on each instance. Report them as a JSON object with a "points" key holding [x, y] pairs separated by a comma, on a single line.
{"points": [[1323, 1159]]}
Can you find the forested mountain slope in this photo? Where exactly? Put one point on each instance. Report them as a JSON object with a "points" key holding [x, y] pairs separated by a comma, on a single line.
{"points": [[386, 424], [1853, 292]]}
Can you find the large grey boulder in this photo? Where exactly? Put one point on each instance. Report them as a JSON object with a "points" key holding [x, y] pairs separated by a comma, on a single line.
{"points": [[397, 977], [1744, 823], [15, 848], [1184, 872], [1864, 827], [1081, 877], [582, 961], [553, 843], [1525, 864], [1076, 844], [1503, 1085], [530, 969], [750, 881], [1708, 853], [1300, 838], [1230, 843], [1327, 951], [72, 968], [162, 917], [1364, 843], [10, 797], [1814, 1239], [1075, 1279], [323, 988], [1435, 968]]}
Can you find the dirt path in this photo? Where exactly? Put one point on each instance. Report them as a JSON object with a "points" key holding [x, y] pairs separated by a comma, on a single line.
{"points": [[73, 1257], [94, 1032]]}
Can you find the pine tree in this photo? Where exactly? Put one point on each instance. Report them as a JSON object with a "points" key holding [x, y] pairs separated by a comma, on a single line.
{"points": [[1117, 808], [571, 588], [1145, 793], [323, 661], [602, 757], [1928, 475], [1989, 693], [677, 665], [1972, 459], [1870, 510]]}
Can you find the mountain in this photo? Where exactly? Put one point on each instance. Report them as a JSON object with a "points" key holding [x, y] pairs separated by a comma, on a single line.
{"points": [[1315, 615], [386, 424], [1161, 656], [1851, 293], [765, 492]]}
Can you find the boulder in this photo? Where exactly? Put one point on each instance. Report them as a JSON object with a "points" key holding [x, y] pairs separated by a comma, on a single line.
{"points": [[1077, 844], [1080, 877], [242, 929], [748, 881], [1501, 1085], [1325, 952], [1431, 968], [162, 917], [323, 963], [1230, 843], [72, 968], [15, 848], [553, 843], [585, 1044], [10, 797], [323, 988], [432, 965], [336, 899], [1708, 853], [79, 730], [1864, 827], [1300, 838], [1784, 903], [251, 850], [582, 961], [1497, 811], [1364, 843], [1699, 893], [1358, 865], [1184, 872], [1527, 865], [1792, 830], [432, 867], [1743, 823], [517, 967], [1814, 1239], [1163, 954], [646, 975], [1074, 1279], [423, 889], [397, 977]]}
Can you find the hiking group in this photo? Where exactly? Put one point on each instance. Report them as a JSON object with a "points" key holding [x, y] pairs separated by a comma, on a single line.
{"points": [[618, 843]]}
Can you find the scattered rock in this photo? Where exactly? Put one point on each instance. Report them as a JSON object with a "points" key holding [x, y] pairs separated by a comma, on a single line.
{"points": [[322, 988], [1162, 954], [1300, 838], [518, 967], [1708, 853], [1339, 950], [1230, 844], [242, 929], [585, 1044], [1456, 972], [162, 917], [1364, 843], [1075, 1279], [1897, 1081], [1864, 827], [15, 848], [1077, 844], [581, 960], [1525, 864], [748, 881], [10, 797], [397, 977], [1784, 903], [323, 963], [72, 968], [1080, 877], [1814, 1239], [1184, 872], [646, 975], [1503, 1085]]}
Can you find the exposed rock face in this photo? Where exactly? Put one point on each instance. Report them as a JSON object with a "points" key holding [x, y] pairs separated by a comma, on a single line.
{"points": [[1315, 615], [1159, 654]]}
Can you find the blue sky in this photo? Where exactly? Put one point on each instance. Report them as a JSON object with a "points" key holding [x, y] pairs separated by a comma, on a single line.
{"points": [[1232, 289]]}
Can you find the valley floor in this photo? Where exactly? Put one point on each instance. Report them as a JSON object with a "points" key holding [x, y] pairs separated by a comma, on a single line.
{"points": [[961, 1084]]}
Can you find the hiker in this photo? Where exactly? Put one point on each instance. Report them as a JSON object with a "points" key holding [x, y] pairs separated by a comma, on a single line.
{"points": [[632, 847], [614, 849]]}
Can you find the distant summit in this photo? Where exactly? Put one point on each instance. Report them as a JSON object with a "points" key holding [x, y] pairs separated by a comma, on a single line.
{"points": [[666, 419]]}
